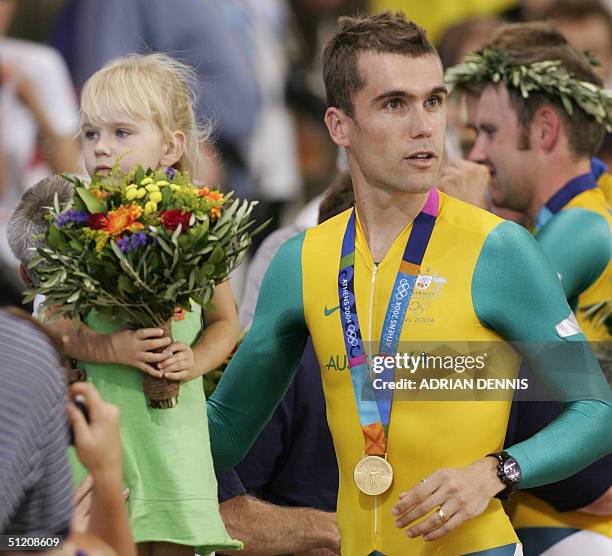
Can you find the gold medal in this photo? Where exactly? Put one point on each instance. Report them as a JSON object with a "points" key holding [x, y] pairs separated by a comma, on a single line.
{"points": [[373, 475]]}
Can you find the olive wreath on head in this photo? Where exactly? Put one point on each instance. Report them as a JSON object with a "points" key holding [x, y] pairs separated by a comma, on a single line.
{"points": [[549, 77]]}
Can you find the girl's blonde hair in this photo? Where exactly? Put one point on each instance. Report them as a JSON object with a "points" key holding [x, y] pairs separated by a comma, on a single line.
{"points": [[152, 87]]}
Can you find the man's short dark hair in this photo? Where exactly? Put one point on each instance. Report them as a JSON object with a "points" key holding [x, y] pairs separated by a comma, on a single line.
{"points": [[385, 32], [526, 43]]}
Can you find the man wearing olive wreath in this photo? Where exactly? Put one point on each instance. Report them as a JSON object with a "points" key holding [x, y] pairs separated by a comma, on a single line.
{"points": [[540, 114], [415, 477]]}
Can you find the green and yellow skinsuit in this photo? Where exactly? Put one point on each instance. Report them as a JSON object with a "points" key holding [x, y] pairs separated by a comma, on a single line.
{"points": [[492, 282]]}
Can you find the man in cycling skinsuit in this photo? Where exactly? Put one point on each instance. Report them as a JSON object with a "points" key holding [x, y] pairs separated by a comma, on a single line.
{"points": [[541, 164], [392, 127]]}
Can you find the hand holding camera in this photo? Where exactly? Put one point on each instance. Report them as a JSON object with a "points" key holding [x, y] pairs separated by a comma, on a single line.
{"points": [[97, 442]]}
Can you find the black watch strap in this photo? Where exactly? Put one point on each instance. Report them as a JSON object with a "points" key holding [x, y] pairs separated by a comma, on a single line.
{"points": [[511, 484]]}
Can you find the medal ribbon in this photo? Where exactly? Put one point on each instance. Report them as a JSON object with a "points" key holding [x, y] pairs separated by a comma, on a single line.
{"points": [[374, 406], [574, 187]]}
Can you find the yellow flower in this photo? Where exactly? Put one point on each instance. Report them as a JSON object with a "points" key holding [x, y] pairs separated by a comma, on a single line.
{"points": [[161, 183], [152, 187], [146, 181], [130, 194], [175, 187], [141, 193], [150, 207], [156, 197], [101, 241]]}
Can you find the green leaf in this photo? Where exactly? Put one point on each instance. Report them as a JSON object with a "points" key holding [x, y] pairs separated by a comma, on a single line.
{"points": [[139, 175], [78, 204], [56, 204], [73, 297], [126, 284], [56, 240], [567, 104], [176, 234], [171, 291], [165, 245], [206, 272], [94, 205], [216, 256], [53, 280], [193, 276]]}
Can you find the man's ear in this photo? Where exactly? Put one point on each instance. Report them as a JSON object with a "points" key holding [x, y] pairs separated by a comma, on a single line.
{"points": [[546, 128], [173, 149], [338, 123], [24, 275]]}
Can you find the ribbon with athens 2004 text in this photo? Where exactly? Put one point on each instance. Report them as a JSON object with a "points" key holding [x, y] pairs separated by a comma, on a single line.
{"points": [[374, 407]]}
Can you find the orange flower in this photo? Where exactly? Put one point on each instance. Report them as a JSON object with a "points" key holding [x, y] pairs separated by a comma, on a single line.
{"points": [[99, 194], [215, 212], [179, 314], [122, 219], [213, 196]]}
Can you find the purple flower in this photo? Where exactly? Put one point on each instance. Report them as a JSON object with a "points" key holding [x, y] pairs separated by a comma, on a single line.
{"points": [[72, 216], [124, 244], [132, 242], [139, 239], [170, 173]]}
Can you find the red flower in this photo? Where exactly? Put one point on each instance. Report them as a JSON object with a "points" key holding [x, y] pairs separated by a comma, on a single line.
{"points": [[172, 218], [97, 221]]}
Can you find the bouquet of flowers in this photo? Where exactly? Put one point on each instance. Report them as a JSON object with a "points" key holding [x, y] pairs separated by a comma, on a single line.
{"points": [[140, 247]]}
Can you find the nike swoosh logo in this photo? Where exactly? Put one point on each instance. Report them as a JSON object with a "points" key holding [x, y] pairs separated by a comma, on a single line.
{"points": [[330, 311]]}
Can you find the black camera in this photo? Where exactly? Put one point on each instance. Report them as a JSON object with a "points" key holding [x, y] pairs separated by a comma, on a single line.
{"points": [[79, 401]]}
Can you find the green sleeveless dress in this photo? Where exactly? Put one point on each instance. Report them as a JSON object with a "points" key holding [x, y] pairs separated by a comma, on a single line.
{"points": [[166, 452]]}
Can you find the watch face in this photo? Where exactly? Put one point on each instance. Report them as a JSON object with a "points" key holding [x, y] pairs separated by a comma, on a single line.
{"points": [[512, 470]]}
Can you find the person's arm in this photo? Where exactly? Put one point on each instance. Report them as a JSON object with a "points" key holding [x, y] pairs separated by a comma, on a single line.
{"points": [[135, 348], [216, 343], [61, 150], [98, 447], [516, 292], [581, 261], [265, 363], [267, 530]]}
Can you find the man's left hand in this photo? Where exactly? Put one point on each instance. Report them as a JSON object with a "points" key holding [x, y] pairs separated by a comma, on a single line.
{"points": [[460, 494]]}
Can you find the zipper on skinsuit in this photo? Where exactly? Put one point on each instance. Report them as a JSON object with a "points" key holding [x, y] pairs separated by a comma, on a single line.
{"points": [[369, 362]]}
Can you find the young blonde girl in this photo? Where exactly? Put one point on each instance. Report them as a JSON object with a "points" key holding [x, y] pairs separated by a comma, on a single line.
{"points": [[139, 110]]}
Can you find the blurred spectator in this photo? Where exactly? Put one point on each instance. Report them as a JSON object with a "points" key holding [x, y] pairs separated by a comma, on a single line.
{"points": [[34, 19], [437, 15], [312, 23], [90, 32], [526, 10], [455, 43], [38, 122], [587, 24], [35, 480], [272, 156]]}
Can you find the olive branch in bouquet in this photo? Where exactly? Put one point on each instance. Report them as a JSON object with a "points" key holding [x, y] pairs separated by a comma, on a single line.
{"points": [[140, 247]]}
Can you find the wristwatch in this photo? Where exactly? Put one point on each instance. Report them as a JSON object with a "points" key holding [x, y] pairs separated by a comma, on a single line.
{"points": [[508, 472]]}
